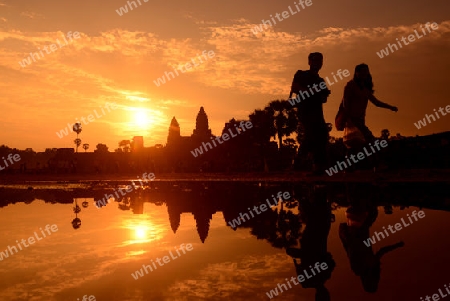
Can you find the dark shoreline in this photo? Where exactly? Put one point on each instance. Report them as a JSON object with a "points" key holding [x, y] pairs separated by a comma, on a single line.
{"points": [[438, 175]]}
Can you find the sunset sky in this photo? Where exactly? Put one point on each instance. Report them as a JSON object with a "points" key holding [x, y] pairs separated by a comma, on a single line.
{"points": [[117, 58]]}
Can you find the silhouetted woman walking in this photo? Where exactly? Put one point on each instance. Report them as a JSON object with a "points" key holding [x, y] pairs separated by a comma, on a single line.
{"points": [[357, 93]]}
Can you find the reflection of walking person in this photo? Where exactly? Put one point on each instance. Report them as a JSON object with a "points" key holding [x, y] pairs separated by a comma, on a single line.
{"points": [[310, 111], [363, 261], [314, 242]]}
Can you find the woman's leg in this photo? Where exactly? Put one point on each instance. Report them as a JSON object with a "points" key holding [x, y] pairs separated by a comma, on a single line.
{"points": [[372, 161], [361, 125]]}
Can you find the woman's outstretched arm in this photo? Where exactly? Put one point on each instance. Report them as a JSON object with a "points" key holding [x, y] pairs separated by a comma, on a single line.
{"points": [[381, 104], [388, 249]]}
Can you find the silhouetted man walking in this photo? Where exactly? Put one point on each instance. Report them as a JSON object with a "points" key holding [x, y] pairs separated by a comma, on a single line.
{"points": [[312, 92]]}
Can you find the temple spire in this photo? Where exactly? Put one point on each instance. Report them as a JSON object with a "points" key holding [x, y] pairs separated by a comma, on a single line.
{"points": [[174, 131], [201, 125]]}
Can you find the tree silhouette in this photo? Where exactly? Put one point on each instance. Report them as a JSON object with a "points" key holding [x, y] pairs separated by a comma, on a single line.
{"points": [[77, 129], [77, 143], [385, 134], [263, 130], [285, 230], [331, 139], [101, 148], [125, 145], [290, 143], [329, 127], [86, 147], [263, 126], [284, 119], [300, 133]]}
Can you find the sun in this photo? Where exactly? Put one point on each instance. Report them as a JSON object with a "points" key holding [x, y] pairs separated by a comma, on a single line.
{"points": [[141, 118], [140, 232]]}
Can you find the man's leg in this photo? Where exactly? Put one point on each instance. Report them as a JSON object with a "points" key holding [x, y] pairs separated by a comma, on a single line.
{"points": [[320, 143], [322, 153], [305, 143]]}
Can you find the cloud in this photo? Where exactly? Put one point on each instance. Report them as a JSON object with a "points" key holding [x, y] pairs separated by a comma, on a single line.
{"points": [[119, 66], [231, 280], [257, 64], [32, 15]]}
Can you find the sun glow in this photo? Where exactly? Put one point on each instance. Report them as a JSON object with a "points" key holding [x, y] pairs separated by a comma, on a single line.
{"points": [[143, 121], [142, 118], [140, 232]]}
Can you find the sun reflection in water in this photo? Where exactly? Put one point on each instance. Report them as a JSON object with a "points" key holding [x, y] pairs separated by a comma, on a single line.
{"points": [[141, 231]]}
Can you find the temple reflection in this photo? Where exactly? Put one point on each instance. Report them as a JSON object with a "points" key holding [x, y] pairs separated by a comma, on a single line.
{"points": [[280, 226], [319, 224]]}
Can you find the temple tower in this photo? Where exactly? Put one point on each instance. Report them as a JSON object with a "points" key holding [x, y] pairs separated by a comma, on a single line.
{"points": [[174, 132], [201, 126]]}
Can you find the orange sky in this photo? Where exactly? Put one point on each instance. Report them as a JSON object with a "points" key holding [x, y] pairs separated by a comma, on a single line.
{"points": [[117, 58]]}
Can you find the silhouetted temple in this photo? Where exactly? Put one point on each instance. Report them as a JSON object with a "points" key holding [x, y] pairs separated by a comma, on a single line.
{"points": [[201, 125], [252, 150], [202, 218], [178, 148], [201, 133]]}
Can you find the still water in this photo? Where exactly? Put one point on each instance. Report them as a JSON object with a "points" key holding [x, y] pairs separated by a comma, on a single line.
{"points": [[174, 241]]}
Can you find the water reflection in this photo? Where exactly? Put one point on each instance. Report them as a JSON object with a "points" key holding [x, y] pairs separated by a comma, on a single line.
{"points": [[316, 214], [141, 230], [250, 259], [76, 222], [361, 214]]}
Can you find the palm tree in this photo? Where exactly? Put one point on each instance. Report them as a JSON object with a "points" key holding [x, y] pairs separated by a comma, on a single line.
{"points": [[77, 129], [86, 147], [77, 143], [284, 119]]}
